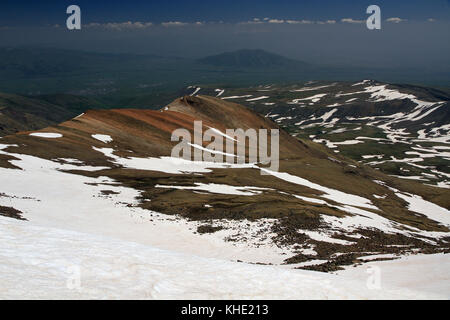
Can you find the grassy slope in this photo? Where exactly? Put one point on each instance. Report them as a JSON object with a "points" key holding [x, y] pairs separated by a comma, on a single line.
{"points": [[19, 113]]}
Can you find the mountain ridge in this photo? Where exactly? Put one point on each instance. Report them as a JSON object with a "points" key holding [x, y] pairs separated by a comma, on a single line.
{"points": [[318, 201], [19, 112]]}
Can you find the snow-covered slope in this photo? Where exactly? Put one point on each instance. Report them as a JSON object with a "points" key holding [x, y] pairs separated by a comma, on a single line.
{"points": [[424, 273], [46, 263]]}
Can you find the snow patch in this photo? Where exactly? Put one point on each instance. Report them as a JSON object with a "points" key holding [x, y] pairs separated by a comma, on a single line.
{"points": [[102, 137], [48, 135]]}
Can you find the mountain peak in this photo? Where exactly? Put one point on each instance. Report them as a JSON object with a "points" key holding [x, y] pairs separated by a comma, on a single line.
{"points": [[249, 58]]}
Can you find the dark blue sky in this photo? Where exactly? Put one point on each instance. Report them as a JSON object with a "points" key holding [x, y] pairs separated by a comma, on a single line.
{"points": [[16, 13]]}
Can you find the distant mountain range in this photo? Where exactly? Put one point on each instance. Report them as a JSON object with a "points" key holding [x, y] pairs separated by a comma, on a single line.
{"points": [[124, 78], [248, 59]]}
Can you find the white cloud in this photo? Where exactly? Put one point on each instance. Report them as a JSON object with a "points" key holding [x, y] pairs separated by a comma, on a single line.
{"points": [[174, 24], [396, 20], [299, 21], [119, 26], [285, 21], [350, 20], [431, 20], [254, 21], [276, 21], [327, 22]]}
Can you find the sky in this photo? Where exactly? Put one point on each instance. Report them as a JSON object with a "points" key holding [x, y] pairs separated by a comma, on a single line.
{"points": [[414, 33], [52, 12]]}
